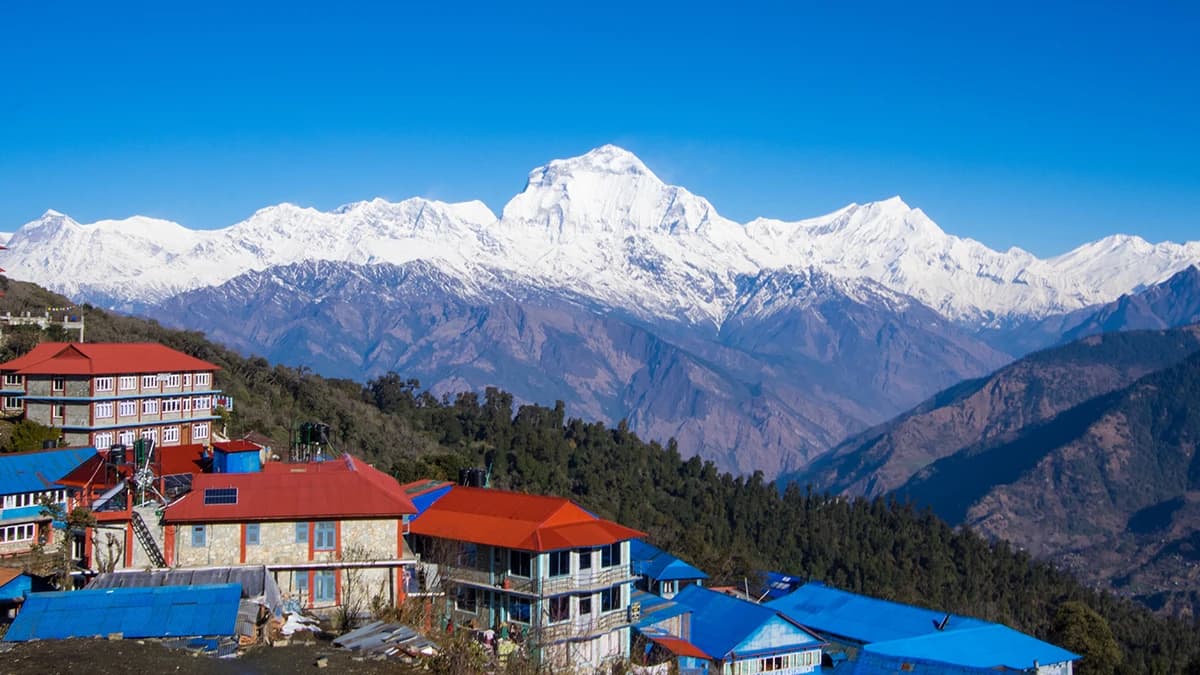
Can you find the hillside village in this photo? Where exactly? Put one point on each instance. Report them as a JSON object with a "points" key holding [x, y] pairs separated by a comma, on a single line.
{"points": [[160, 527]]}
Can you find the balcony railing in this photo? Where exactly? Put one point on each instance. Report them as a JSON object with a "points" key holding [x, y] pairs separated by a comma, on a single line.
{"points": [[586, 627], [571, 583]]}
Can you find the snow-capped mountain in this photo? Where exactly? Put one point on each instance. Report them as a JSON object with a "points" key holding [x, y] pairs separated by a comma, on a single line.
{"points": [[600, 227]]}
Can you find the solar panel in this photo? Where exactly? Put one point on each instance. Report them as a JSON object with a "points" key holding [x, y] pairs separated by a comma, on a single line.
{"points": [[220, 496]]}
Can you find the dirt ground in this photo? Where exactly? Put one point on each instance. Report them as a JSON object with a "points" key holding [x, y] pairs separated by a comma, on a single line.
{"points": [[117, 657]]}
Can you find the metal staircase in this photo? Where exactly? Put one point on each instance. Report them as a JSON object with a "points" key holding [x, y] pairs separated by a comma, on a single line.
{"points": [[147, 540]]}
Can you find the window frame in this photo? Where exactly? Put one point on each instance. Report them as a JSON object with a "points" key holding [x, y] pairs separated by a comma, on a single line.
{"points": [[170, 434], [302, 533], [127, 408], [150, 406], [104, 383], [557, 560], [58, 384], [322, 530], [12, 380], [150, 382], [324, 581], [127, 383], [104, 409], [253, 534], [200, 430], [563, 603], [514, 555], [199, 536]]}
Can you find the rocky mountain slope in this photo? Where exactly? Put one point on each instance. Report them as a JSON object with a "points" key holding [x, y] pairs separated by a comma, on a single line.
{"points": [[1023, 394], [804, 359]]}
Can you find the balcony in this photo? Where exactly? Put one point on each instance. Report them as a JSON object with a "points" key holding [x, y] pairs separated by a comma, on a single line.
{"points": [[582, 628], [572, 583]]}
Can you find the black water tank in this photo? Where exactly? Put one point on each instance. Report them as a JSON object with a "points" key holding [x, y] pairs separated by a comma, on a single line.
{"points": [[471, 477], [49, 443], [116, 454]]}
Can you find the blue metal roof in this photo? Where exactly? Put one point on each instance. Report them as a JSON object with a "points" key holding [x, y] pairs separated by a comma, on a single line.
{"points": [[16, 588], [37, 471], [654, 608], [860, 618], [774, 585], [155, 612], [425, 500], [722, 622], [653, 562], [984, 647]]}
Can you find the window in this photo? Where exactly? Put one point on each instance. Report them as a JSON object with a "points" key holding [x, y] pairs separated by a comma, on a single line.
{"points": [[172, 379], [325, 536], [59, 411], [585, 605], [150, 406], [324, 586], [301, 578], [103, 440], [12, 402], [202, 403], [585, 558], [170, 405], [126, 437], [199, 538], [127, 409], [610, 556], [150, 435], [560, 563], [104, 383], [518, 609], [464, 600], [58, 384], [149, 382], [104, 410], [519, 563], [12, 380], [170, 435], [468, 555], [127, 382], [201, 379], [186, 403], [199, 431], [187, 379], [301, 533], [610, 599], [560, 608], [14, 533], [220, 496], [252, 534]]}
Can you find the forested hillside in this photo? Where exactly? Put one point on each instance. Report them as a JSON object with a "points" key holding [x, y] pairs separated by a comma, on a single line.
{"points": [[729, 526]]}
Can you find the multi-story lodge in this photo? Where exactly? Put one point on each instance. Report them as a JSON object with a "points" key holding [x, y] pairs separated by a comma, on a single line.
{"points": [[555, 574], [102, 394], [326, 530]]}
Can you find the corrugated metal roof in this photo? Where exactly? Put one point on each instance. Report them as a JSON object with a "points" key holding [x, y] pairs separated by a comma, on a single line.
{"points": [[340, 488], [860, 618], [514, 520], [650, 561], [40, 470], [103, 358], [654, 608], [167, 611], [775, 585], [255, 581], [722, 622], [985, 647]]}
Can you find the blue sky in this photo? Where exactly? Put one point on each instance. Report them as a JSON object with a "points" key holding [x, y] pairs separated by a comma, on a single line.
{"points": [[1014, 123]]}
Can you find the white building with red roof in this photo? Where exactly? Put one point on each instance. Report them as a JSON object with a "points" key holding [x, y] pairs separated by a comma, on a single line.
{"points": [[543, 568], [101, 394], [326, 530]]}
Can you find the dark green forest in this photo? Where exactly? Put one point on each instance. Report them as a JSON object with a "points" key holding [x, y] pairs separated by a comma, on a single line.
{"points": [[727, 525]]}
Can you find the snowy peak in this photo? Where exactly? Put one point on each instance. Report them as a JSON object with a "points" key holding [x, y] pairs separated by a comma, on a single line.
{"points": [[601, 227]]}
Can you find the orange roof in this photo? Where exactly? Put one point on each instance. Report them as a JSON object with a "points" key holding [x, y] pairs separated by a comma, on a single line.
{"points": [[7, 574], [338, 488], [515, 520], [103, 358], [679, 646]]}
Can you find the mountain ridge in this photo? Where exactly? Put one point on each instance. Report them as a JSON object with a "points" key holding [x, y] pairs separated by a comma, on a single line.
{"points": [[604, 225]]}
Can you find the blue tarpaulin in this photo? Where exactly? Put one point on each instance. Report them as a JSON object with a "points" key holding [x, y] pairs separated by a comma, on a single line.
{"points": [[154, 612], [985, 648]]}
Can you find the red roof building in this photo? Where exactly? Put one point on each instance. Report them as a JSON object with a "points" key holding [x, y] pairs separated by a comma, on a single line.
{"points": [[543, 565], [101, 394], [312, 524]]}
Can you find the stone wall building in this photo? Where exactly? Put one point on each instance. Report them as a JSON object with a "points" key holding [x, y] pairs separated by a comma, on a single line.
{"points": [[101, 394], [332, 532]]}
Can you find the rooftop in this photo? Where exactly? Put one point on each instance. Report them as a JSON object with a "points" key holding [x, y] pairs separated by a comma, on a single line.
{"points": [[40, 470], [339, 488], [515, 520], [657, 564], [721, 623], [991, 646], [170, 460], [103, 358]]}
